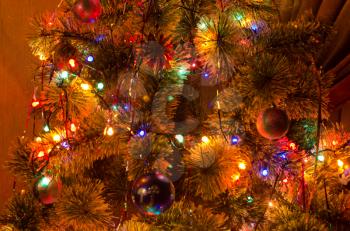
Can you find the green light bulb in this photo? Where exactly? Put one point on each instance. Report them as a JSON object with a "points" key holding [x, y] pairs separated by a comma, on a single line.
{"points": [[180, 138], [46, 128], [100, 86]]}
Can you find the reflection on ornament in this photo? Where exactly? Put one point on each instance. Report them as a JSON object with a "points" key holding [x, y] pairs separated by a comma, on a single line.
{"points": [[153, 193], [272, 123]]}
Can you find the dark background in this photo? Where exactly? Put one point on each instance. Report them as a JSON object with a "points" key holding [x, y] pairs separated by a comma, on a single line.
{"points": [[17, 64]]}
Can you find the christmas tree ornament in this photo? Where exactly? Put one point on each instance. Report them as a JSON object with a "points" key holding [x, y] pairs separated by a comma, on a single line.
{"points": [[87, 11], [153, 193], [272, 123], [66, 60], [47, 189]]}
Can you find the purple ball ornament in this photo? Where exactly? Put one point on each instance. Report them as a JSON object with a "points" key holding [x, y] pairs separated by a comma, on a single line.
{"points": [[153, 193]]}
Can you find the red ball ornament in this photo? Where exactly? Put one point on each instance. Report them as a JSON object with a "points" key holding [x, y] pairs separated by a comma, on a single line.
{"points": [[47, 189], [272, 123], [87, 10]]}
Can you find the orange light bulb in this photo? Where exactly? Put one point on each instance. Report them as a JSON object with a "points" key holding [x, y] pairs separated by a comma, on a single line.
{"points": [[72, 63], [35, 103]]}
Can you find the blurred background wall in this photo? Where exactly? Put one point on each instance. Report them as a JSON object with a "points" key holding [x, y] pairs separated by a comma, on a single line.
{"points": [[16, 69]]}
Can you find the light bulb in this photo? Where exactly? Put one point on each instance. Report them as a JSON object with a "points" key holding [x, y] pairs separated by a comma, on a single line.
{"points": [[73, 128], [142, 133], [56, 138], [41, 154], [35, 103], [90, 58], [64, 75], [109, 131], [265, 172], [85, 86], [205, 140], [340, 163], [234, 140], [100, 86], [242, 166], [46, 128], [250, 199], [179, 138], [72, 63], [320, 158]]}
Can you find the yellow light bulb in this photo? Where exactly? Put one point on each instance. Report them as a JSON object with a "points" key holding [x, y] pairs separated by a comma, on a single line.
{"points": [[108, 131], [56, 138], [71, 62], [85, 86], [73, 128], [270, 204], [38, 139], [35, 103], [235, 177], [205, 140], [41, 154], [242, 166], [340, 163]]}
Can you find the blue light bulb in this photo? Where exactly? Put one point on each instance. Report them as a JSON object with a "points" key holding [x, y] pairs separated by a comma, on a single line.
{"points": [[142, 133], [235, 140], [90, 58], [265, 172], [254, 27]]}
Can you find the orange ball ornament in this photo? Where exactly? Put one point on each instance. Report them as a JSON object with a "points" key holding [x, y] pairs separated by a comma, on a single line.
{"points": [[273, 123]]}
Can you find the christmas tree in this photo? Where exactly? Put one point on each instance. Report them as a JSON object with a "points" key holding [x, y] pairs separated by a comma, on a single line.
{"points": [[179, 115]]}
